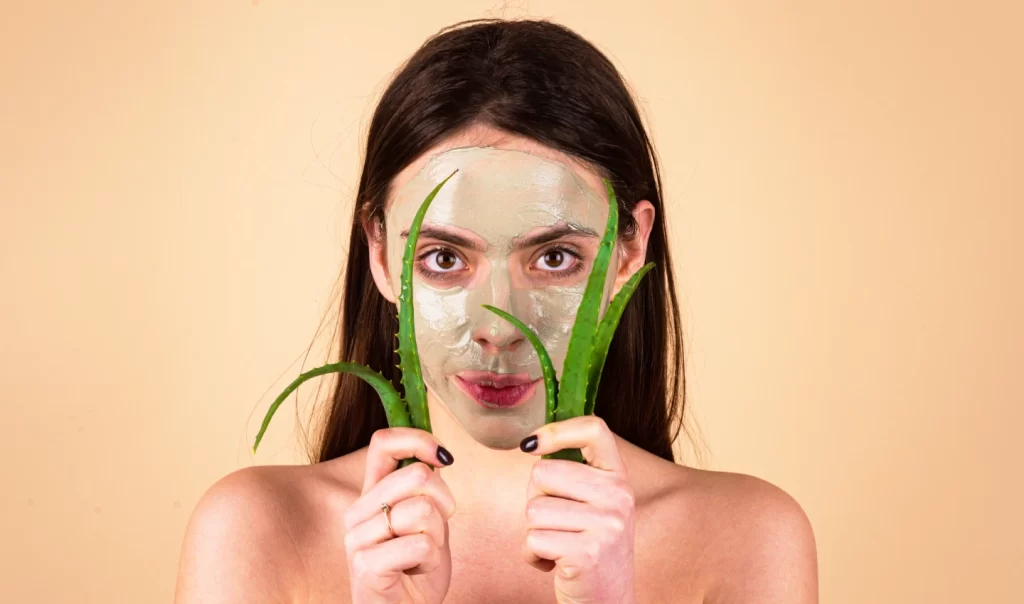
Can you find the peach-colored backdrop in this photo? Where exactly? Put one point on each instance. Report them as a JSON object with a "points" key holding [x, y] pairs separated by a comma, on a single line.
{"points": [[845, 197]]}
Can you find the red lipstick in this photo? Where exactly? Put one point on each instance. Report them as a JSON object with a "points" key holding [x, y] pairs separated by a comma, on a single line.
{"points": [[497, 390]]}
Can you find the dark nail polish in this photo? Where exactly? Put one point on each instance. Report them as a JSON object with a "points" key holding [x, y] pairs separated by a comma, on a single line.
{"points": [[529, 444], [444, 456]]}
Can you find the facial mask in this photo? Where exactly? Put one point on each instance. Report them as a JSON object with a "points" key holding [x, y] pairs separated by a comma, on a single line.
{"points": [[498, 198]]}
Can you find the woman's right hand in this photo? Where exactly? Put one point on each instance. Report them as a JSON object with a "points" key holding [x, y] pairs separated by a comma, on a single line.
{"points": [[415, 563]]}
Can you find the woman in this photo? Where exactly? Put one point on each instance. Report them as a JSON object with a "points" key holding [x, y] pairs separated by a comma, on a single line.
{"points": [[529, 118]]}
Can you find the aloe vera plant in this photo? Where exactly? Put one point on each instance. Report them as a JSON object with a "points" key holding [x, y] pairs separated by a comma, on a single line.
{"points": [[584, 361], [401, 413], [589, 340]]}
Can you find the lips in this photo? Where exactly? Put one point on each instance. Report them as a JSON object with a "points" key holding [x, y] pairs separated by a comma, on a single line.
{"points": [[497, 390], [497, 380]]}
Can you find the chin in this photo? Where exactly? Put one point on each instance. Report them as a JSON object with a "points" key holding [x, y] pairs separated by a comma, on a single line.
{"points": [[500, 434], [502, 442]]}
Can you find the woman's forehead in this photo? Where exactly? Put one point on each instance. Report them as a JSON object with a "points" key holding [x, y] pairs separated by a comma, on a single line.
{"points": [[499, 191]]}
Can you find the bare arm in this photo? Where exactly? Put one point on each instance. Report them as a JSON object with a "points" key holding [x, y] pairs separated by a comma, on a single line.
{"points": [[236, 547]]}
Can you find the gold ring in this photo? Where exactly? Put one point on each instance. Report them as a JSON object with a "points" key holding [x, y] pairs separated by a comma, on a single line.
{"points": [[387, 516]]}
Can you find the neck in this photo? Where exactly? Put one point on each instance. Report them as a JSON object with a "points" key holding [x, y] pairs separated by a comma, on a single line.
{"points": [[481, 479]]}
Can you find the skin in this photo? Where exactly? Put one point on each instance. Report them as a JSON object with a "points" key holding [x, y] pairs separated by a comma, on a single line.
{"points": [[498, 525]]}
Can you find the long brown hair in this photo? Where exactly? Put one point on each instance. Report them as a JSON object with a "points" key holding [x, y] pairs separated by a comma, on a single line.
{"points": [[542, 81]]}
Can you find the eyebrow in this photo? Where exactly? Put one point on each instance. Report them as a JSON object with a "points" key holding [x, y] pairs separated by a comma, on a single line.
{"points": [[519, 243]]}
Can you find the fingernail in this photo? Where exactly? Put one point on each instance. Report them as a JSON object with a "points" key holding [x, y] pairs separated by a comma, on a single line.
{"points": [[529, 444], [445, 457]]}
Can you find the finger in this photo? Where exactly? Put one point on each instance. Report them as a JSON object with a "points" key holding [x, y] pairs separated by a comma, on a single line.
{"points": [[589, 433], [381, 563], [408, 517], [554, 513], [389, 446], [426, 568], [410, 481], [544, 549], [571, 480]]}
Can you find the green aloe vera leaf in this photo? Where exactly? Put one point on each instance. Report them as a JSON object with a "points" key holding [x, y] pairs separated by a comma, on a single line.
{"points": [[572, 391], [567, 454], [605, 332], [547, 368], [409, 358], [394, 406]]}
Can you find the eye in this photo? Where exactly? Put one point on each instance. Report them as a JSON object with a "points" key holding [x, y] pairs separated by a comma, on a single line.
{"points": [[441, 261], [558, 260]]}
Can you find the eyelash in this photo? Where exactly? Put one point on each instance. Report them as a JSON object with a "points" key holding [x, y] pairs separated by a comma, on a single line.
{"points": [[447, 275]]}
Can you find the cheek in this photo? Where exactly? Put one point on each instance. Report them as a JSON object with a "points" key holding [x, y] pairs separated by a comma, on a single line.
{"points": [[394, 253], [552, 312], [443, 328]]}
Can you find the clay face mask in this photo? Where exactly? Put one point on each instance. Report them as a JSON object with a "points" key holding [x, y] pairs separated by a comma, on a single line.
{"points": [[510, 229]]}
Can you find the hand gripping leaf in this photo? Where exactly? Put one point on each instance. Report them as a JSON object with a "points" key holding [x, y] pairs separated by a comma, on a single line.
{"points": [[590, 339], [412, 411]]}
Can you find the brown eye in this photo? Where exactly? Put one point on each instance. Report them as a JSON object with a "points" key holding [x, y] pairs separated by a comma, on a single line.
{"points": [[558, 261], [441, 261], [446, 260], [554, 258]]}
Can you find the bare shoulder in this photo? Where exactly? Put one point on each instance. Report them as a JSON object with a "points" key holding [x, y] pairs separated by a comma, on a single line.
{"points": [[755, 540], [252, 534]]}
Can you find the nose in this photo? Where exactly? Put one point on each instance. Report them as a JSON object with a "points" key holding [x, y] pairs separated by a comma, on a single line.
{"points": [[493, 333], [497, 335]]}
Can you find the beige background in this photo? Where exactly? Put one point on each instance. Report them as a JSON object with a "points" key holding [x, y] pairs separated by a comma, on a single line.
{"points": [[845, 196]]}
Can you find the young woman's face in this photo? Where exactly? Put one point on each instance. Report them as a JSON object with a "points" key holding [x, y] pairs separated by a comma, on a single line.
{"points": [[512, 229]]}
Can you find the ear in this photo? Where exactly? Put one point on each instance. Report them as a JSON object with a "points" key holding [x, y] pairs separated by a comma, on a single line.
{"points": [[634, 251], [378, 257]]}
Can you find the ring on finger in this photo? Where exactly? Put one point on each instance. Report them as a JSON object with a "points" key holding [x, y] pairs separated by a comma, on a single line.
{"points": [[387, 516]]}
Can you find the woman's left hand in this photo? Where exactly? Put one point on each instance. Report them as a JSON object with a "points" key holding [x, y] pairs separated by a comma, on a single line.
{"points": [[580, 517]]}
